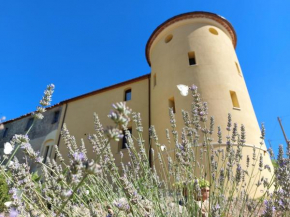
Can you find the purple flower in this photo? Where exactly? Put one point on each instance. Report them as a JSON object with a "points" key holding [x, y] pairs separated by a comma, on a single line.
{"points": [[39, 159], [79, 156], [193, 87], [201, 113], [25, 145], [12, 191], [13, 213]]}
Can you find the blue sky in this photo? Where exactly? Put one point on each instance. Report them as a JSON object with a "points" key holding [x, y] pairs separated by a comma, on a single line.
{"points": [[81, 46]]}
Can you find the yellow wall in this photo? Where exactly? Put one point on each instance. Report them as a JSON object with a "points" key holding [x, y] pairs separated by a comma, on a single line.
{"points": [[79, 115], [215, 74]]}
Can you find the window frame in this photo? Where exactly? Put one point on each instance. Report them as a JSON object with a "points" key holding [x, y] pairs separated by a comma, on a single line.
{"points": [[127, 91], [124, 139], [235, 100], [171, 104], [29, 123], [46, 153], [5, 132], [191, 57], [55, 117]]}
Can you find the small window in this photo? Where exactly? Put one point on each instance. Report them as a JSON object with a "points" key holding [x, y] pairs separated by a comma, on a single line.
{"points": [[29, 123], [55, 117], [191, 58], [168, 38], [5, 132], [154, 80], [234, 99], [128, 95], [124, 140], [46, 153], [238, 68], [172, 104], [213, 31]]}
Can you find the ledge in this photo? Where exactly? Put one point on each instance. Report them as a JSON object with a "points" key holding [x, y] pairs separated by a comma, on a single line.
{"points": [[236, 108]]}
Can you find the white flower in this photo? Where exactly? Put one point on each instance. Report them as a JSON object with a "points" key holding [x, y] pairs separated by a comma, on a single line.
{"points": [[87, 192], [8, 203], [183, 89], [8, 148], [38, 116], [162, 147]]}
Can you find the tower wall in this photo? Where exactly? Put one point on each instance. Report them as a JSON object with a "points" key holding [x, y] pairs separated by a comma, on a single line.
{"points": [[216, 73]]}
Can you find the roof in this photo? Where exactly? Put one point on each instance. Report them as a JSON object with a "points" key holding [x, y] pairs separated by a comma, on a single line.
{"points": [[85, 95], [196, 14]]}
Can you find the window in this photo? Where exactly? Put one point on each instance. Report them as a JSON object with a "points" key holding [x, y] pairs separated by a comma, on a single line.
{"points": [[213, 31], [46, 153], [154, 80], [168, 38], [234, 99], [5, 132], [191, 58], [128, 95], [172, 104], [238, 68], [29, 123], [55, 117], [124, 140]]}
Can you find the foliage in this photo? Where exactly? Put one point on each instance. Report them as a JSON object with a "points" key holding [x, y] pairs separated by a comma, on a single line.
{"points": [[4, 196], [174, 186]]}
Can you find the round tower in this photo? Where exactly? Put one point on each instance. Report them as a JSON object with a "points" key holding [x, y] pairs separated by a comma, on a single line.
{"points": [[199, 48]]}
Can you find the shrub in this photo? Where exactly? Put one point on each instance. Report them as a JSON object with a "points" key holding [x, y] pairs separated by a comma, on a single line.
{"points": [[97, 187]]}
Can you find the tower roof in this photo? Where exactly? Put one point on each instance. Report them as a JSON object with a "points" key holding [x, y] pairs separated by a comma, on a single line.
{"points": [[196, 14]]}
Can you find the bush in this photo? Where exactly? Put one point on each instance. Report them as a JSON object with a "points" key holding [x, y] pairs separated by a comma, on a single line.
{"points": [[97, 187]]}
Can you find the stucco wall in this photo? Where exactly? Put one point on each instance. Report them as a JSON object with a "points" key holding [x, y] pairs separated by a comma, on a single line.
{"points": [[42, 131], [79, 115], [215, 73]]}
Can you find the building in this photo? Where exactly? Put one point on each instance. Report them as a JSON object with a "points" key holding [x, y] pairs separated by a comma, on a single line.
{"points": [[192, 48]]}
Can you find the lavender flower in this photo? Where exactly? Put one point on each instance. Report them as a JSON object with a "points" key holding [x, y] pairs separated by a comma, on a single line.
{"points": [[121, 114], [122, 204], [114, 133], [46, 99], [66, 194], [79, 156], [269, 209], [13, 213]]}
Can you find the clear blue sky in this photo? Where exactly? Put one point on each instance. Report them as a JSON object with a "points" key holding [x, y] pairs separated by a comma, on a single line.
{"points": [[81, 46]]}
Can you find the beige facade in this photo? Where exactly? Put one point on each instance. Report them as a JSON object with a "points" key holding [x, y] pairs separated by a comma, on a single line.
{"points": [[79, 112], [199, 48], [194, 48]]}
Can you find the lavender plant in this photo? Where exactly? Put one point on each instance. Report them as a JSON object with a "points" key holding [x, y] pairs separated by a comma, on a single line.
{"points": [[197, 179]]}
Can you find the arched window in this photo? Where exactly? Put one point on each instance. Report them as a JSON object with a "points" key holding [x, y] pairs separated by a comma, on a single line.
{"points": [[46, 151]]}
